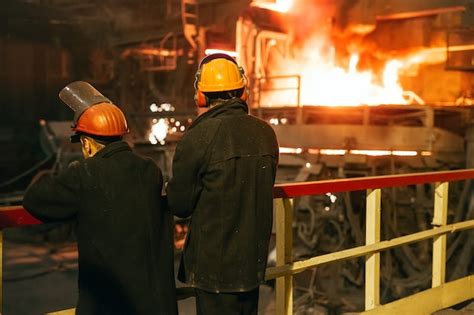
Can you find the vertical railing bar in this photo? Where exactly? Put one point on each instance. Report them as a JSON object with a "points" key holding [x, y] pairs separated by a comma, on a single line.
{"points": [[440, 218], [1, 271], [372, 262], [288, 204], [284, 244]]}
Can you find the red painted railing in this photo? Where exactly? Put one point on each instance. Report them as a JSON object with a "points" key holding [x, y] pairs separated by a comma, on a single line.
{"points": [[363, 183], [17, 216]]}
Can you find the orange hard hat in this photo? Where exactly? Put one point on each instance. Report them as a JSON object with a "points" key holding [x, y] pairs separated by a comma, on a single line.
{"points": [[94, 114], [103, 119], [218, 73]]}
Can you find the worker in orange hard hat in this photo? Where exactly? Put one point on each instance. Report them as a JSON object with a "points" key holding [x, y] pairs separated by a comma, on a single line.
{"points": [[223, 175], [124, 231], [94, 115]]}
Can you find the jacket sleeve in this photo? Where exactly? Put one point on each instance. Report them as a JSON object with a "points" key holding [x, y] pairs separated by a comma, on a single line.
{"points": [[54, 198], [189, 163]]}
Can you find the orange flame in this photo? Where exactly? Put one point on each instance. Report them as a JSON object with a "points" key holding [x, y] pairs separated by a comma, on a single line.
{"points": [[282, 6], [322, 82]]}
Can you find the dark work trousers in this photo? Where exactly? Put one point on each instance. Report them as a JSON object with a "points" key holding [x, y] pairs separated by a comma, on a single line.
{"points": [[238, 303]]}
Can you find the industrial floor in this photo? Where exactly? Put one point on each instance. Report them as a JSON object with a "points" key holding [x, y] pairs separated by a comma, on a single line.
{"points": [[40, 277]]}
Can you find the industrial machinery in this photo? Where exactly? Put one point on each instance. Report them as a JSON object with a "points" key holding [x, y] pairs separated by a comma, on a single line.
{"points": [[351, 87]]}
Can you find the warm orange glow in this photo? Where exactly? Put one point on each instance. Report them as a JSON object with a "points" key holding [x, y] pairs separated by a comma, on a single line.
{"points": [[323, 82], [291, 150], [148, 51], [405, 153], [355, 152], [274, 5], [211, 51], [371, 152], [332, 152]]}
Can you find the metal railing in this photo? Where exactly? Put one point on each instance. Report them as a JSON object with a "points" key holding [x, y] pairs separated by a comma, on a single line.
{"points": [[265, 86], [441, 295]]}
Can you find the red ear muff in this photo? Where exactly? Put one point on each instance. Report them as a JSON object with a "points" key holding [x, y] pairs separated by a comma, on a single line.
{"points": [[200, 99], [245, 95]]}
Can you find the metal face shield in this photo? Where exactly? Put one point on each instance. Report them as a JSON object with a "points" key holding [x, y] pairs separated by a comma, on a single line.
{"points": [[79, 96]]}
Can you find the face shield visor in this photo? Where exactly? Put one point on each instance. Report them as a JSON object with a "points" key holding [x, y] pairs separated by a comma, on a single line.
{"points": [[79, 96]]}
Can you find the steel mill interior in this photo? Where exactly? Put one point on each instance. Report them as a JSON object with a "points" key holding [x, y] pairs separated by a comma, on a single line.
{"points": [[352, 88]]}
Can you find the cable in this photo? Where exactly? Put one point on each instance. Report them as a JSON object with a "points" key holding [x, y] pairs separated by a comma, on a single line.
{"points": [[36, 166]]}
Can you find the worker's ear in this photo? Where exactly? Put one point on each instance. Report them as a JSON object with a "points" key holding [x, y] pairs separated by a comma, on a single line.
{"points": [[86, 146]]}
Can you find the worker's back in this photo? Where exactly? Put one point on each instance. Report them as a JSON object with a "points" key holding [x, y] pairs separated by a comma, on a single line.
{"points": [[234, 157], [124, 233]]}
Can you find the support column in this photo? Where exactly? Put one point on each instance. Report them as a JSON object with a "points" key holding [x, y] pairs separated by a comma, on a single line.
{"points": [[284, 250], [440, 218], [372, 261]]}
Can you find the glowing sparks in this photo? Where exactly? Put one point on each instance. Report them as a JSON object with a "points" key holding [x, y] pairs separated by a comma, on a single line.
{"points": [[158, 132], [164, 107]]}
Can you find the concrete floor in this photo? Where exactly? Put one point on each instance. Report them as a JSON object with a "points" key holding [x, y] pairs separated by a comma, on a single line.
{"points": [[41, 277]]}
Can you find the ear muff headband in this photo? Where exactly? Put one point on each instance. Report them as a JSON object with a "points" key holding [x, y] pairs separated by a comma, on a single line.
{"points": [[200, 98]]}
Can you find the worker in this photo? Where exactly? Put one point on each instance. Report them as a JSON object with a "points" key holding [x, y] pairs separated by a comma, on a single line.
{"points": [[124, 233], [223, 175]]}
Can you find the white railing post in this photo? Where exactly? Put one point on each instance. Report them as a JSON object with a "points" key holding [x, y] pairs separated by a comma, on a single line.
{"points": [[1, 271], [284, 252], [440, 218], [372, 261]]}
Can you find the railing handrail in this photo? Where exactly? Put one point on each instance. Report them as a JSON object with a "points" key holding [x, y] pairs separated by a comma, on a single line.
{"points": [[285, 268], [12, 216], [364, 183], [364, 250]]}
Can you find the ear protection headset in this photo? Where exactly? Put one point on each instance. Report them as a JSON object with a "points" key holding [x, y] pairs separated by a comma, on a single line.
{"points": [[199, 97]]}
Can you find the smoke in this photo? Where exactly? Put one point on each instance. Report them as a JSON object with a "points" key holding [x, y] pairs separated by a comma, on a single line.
{"points": [[310, 18]]}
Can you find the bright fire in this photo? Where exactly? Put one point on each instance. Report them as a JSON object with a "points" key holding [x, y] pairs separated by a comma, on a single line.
{"points": [[274, 5], [322, 82]]}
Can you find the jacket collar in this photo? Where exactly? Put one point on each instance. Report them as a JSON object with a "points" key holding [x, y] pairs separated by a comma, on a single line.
{"points": [[113, 148], [230, 107]]}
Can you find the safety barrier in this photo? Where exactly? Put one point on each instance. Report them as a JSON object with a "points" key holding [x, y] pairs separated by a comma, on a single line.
{"points": [[440, 296]]}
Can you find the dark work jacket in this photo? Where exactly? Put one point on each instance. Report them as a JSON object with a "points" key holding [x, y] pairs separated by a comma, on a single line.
{"points": [[223, 175], [124, 233]]}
